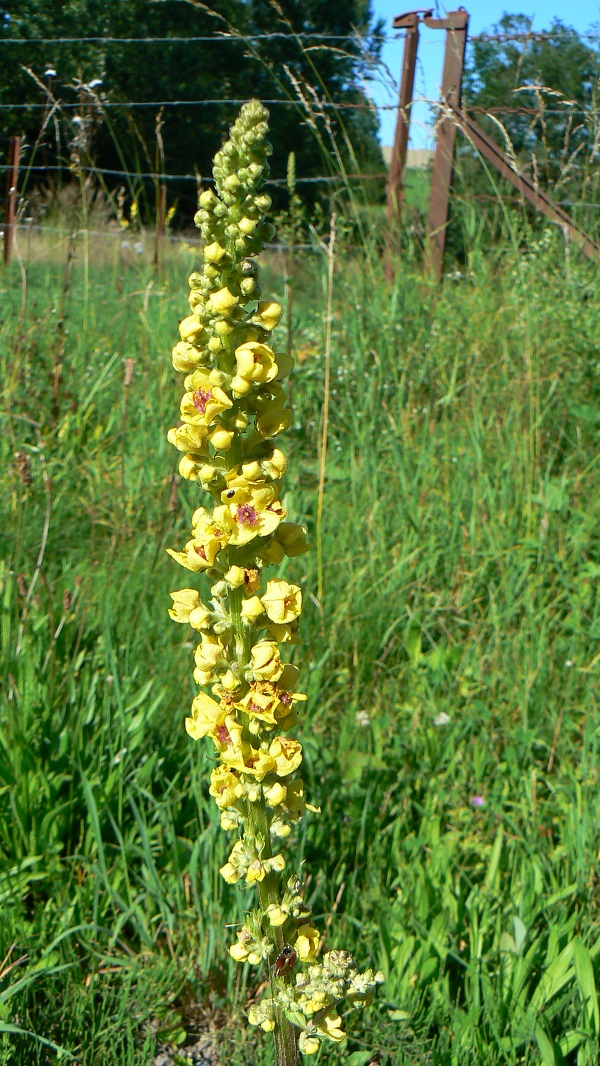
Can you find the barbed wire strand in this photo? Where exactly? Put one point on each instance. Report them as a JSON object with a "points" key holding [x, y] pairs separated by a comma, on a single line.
{"points": [[532, 35], [302, 35], [185, 177], [192, 103], [324, 104]]}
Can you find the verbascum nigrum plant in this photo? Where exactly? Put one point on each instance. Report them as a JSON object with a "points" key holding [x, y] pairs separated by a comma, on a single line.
{"points": [[232, 414]]}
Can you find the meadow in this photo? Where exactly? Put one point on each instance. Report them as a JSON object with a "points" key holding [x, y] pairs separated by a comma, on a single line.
{"points": [[451, 660]]}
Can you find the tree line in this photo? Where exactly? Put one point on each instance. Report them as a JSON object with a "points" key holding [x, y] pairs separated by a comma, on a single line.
{"points": [[315, 49]]}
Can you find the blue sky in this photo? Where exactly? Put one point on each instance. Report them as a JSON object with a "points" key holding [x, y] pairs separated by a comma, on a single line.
{"points": [[581, 14]]}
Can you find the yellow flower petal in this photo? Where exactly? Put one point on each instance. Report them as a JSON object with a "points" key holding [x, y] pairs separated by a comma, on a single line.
{"points": [[184, 602], [282, 601]]}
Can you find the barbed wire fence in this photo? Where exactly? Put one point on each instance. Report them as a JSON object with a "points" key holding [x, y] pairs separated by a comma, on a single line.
{"points": [[89, 96]]}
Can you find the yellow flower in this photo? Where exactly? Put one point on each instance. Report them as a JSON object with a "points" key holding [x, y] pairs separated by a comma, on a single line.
{"points": [[266, 661], [188, 438], [204, 399], [192, 330], [255, 872], [282, 602], [223, 785], [208, 539], [250, 472], [235, 576], [238, 951], [260, 704], [307, 942], [294, 800], [287, 754], [184, 602], [200, 617], [333, 1027], [213, 253], [223, 302], [285, 634], [229, 873], [275, 794], [251, 610], [209, 654], [186, 357], [292, 538], [274, 418], [276, 466], [307, 1044], [247, 760], [256, 512], [204, 524], [277, 916], [229, 682], [221, 438], [193, 557], [255, 362], [207, 716], [190, 467], [267, 314]]}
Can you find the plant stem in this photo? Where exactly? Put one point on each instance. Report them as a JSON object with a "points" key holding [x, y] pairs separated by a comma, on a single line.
{"points": [[325, 415], [286, 1053]]}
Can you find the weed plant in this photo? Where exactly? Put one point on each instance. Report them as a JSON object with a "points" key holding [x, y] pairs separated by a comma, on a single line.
{"points": [[451, 663]]}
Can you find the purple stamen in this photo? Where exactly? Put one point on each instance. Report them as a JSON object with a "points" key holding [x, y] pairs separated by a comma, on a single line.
{"points": [[200, 399], [246, 515]]}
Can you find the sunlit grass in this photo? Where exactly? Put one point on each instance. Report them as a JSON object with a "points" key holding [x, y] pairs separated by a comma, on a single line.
{"points": [[454, 655]]}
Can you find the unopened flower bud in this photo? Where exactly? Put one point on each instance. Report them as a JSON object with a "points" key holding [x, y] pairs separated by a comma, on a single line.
{"points": [[223, 301], [235, 576], [275, 794], [213, 253]]}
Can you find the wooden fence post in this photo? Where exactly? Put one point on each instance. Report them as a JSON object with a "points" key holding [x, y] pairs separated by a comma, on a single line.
{"points": [[10, 203], [456, 25], [410, 23]]}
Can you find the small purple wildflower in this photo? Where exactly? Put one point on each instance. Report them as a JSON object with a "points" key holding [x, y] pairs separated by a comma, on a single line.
{"points": [[477, 801]]}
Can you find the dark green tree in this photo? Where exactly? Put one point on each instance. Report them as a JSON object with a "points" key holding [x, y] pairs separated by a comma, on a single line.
{"points": [[542, 90], [283, 69]]}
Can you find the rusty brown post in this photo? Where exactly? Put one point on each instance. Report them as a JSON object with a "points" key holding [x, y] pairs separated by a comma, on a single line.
{"points": [[10, 203], [410, 23], [455, 24]]}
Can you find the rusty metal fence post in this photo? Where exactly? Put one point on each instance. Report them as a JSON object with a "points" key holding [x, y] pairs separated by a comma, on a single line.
{"points": [[10, 203], [456, 25], [410, 23]]}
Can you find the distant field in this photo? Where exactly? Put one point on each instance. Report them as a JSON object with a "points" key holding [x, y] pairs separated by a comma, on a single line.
{"points": [[417, 183], [452, 730]]}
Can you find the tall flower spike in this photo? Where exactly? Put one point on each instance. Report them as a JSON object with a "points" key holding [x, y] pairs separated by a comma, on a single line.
{"points": [[232, 411]]}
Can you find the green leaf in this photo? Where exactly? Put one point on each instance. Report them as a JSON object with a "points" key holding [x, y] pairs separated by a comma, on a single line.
{"points": [[358, 1058], [571, 1040], [555, 977], [520, 933], [545, 1046], [413, 644], [494, 861], [5, 1027], [352, 764], [585, 980]]}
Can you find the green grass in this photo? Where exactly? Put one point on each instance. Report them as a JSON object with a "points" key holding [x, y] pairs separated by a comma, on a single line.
{"points": [[462, 560], [417, 183]]}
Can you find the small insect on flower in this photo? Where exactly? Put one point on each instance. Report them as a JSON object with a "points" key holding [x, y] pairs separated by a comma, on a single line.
{"points": [[285, 962]]}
